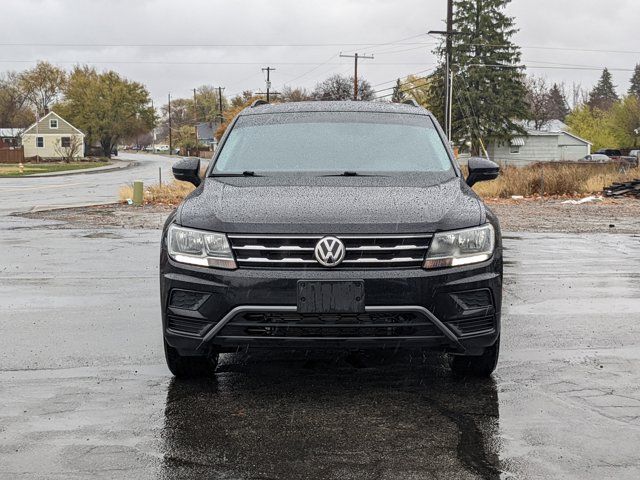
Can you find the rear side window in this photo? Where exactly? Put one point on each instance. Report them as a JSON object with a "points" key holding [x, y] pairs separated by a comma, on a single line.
{"points": [[334, 142]]}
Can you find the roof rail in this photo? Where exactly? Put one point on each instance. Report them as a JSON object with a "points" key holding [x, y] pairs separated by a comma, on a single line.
{"points": [[411, 102], [259, 102]]}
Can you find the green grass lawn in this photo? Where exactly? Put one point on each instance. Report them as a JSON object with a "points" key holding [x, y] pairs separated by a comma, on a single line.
{"points": [[11, 170]]}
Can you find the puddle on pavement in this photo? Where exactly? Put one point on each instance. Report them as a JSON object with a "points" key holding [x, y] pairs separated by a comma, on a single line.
{"points": [[111, 235]]}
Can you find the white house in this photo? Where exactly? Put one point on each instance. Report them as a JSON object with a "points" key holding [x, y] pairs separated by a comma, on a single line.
{"points": [[53, 137], [551, 143]]}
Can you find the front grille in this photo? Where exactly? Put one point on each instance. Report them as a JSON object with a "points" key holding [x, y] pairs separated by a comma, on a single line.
{"points": [[473, 325], [329, 326], [190, 326], [362, 251]]}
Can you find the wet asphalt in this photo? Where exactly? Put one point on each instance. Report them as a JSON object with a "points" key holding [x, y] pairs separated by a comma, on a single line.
{"points": [[84, 392]]}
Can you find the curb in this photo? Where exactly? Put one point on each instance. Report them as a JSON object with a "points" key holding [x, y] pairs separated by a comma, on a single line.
{"points": [[37, 209], [123, 165]]}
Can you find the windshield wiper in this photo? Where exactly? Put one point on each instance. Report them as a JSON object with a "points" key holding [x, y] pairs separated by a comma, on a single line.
{"points": [[246, 173], [349, 173]]}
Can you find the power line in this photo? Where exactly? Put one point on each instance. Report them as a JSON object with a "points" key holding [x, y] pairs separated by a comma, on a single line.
{"points": [[405, 90], [403, 77], [164, 62], [210, 45], [313, 69]]}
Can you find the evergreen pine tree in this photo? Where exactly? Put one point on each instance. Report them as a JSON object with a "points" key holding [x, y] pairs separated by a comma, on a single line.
{"points": [[603, 95], [398, 95], [488, 99], [634, 89], [558, 108]]}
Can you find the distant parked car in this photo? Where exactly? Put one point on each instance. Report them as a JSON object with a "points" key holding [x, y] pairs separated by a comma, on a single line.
{"points": [[615, 156], [595, 157], [634, 153], [610, 152], [162, 148]]}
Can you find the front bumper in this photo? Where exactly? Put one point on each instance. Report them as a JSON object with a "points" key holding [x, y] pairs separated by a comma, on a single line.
{"points": [[454, 309]]}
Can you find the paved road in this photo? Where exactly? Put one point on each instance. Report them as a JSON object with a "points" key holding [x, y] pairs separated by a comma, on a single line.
{"points": [[24, 194], [84, 392]]}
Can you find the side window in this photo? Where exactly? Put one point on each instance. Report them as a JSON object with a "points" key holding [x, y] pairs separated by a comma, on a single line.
{"points": [[514, 149], [40, 142], [53, 123], [65, 142]]}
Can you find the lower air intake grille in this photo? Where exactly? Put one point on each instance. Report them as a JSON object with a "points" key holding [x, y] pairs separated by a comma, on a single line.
{"points": [[190, 326], [291, 324], [473, 325]]}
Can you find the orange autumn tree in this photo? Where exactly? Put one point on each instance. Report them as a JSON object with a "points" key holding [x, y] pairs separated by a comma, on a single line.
{"points": [[238, 104]]}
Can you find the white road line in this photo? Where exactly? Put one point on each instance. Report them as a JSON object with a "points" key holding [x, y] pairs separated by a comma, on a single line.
{"points": [[40, 187]]}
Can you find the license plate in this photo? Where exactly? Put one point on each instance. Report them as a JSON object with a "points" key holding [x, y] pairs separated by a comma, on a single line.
{"points": [[330, 297]]}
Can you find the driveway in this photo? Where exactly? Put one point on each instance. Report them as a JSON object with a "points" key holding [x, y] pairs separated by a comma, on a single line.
{"points": [[24, 194], [84, 391]]}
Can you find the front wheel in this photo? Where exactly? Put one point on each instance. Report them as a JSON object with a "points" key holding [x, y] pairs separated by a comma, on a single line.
{"points": [[189, 367], [476, 365]]}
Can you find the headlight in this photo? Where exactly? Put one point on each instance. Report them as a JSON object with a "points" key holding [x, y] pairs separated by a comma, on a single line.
{"points": [[461, 247], [196, 247]]}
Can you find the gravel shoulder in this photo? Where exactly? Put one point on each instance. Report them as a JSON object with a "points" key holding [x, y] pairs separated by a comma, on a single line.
{"points": [[534, 215], [530, 215]]}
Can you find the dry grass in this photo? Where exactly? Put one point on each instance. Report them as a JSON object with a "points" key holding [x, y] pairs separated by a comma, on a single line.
{"points": [[165, 194], [553, 180]]}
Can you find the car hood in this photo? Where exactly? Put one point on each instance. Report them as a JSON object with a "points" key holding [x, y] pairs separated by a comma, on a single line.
{"points": [[331, 205]]}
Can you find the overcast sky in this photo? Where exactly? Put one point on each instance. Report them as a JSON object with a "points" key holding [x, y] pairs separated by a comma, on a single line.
{"points": [[173, 46]]}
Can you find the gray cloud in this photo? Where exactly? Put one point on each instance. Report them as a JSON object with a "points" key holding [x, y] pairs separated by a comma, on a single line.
{"points": [[173, 67]]}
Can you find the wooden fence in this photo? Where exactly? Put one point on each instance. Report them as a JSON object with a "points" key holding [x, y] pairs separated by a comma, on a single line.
{"points": [[11, 155]]}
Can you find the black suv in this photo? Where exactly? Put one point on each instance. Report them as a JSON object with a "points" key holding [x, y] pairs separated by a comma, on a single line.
{"points": [[332, 225]]}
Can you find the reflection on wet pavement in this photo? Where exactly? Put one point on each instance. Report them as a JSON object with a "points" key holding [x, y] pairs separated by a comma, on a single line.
{"points": [[284, 415]]}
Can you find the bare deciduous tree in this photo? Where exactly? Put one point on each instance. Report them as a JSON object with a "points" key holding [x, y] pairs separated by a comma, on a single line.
{"points": [[42, 85], [69, 150], [339, 87], [298, 94], [538, 100]]}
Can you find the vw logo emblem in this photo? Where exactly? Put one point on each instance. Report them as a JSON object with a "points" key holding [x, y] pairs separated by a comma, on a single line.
{"points": [[329, 252]]}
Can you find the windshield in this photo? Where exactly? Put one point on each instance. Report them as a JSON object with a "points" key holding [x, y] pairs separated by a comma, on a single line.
{"points": [[333, 142]]}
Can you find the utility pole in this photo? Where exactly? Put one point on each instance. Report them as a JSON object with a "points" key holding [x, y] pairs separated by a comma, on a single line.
{"points": [[221, 108], [268, 70], [170, 142], [195, 119], [448, 86], [355, 57], [153, 144]]}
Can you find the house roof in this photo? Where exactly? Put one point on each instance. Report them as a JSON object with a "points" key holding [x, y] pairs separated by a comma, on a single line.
{"points": [[10, 132], [42, 121], [552, 128]]}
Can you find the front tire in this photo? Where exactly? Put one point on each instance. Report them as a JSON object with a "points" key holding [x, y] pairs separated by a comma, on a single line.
{"points": [[189, 367], [476, 365]]}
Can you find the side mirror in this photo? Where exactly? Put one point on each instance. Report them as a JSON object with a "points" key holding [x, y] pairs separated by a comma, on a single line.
{"points": [[188, 170], [481, 169]]}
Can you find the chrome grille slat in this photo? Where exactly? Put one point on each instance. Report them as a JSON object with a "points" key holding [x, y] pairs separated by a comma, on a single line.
{"points": [[384, 260], [361, 251], [287, 248]]}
